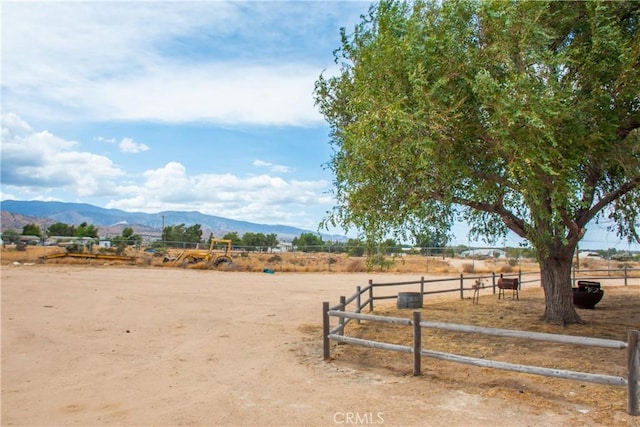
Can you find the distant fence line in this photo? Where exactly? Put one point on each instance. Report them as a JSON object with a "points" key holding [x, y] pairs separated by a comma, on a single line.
{"points": [[285, 245], [364, 298], [465, 283]]}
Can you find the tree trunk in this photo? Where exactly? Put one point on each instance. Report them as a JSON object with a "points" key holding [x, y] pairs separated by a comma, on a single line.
{"points": [[555, 275]]}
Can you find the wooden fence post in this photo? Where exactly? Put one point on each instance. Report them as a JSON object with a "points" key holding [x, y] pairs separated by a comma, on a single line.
{"points": [[343, 307], [625, 274], [461, 286], [493, 282], [633, 356], [519, 279], [370, 295], [417, 344], [326, 350], [422, 287], [358, 293]]}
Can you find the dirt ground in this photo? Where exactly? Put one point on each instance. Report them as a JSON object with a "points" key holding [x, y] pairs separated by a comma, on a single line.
{"points": [[118, 345]]}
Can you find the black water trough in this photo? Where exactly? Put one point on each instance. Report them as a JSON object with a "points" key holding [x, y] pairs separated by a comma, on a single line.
{"points": [[587, 294]]}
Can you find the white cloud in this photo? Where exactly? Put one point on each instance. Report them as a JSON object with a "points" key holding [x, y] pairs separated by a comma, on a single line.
{"points": [[126, 61], [107, 140], [38, 165], [36, 161], [128, 145], [262, 198], [272, 167], [223, 93]]}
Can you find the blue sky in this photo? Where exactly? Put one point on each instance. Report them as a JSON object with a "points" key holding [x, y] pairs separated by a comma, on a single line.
{"points": [[150, 106]]}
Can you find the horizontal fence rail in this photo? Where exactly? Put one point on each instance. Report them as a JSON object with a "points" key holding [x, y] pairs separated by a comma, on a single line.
{"points": [[350, 308], [632, 346], [488, 282]]}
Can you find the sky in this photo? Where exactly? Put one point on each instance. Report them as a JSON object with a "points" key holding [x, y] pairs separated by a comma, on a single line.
{"points": [[153, 106], [150, 106]]}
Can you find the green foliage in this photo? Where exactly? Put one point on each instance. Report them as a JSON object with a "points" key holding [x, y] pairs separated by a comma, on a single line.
{"points": [[517, 116], [260, 240], [236, 240], [521, 116], [10, 236], [127, 238], [177, 235], [390, 247], [86, 230], [431, 241], [355, 247], [308, 242], [379, 262], [31, 230], [61, 229]]}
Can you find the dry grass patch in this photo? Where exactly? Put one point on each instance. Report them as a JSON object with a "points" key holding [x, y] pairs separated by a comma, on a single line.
{"points": [[306, 262], [617, 313]]}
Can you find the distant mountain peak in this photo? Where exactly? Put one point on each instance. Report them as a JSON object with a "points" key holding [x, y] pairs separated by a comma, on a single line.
{"points": [[106, 219]]}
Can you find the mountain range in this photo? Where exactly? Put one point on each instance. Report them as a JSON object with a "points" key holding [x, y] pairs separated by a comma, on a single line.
{"points": [[16, 214]]}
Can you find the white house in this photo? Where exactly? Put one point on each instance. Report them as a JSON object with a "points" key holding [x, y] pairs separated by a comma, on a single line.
{"points": [[484, 253]]}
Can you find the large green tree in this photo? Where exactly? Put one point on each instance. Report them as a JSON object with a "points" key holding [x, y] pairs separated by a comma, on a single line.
{"points": [[86, 230], [259, 241], [178, 235], [31, 230], [308, 242], [513, 115], [61, 229]]}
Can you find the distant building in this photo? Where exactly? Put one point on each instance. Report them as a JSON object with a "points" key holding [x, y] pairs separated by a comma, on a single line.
{"points": [[283, 247], [589, 255], [484, 253], [29, 240]]}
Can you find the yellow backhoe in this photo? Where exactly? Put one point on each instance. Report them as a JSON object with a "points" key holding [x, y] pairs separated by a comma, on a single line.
{"points": [[212, 257]]}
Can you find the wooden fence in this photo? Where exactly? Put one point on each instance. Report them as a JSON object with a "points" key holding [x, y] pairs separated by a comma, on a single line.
{"points": [[632, 345], [464, 283], [364, 298]]}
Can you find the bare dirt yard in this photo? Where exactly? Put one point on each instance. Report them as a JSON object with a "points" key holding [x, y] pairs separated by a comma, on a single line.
{"points": [[123, 345]]}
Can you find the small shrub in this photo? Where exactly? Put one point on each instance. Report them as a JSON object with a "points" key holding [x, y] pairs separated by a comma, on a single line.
{"points": [[506, 269], [586, 264], [468, 268], [275, 258], [356, 266]]}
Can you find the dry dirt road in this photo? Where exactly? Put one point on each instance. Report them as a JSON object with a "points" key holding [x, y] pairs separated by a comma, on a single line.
{"points": [[148, 346]]}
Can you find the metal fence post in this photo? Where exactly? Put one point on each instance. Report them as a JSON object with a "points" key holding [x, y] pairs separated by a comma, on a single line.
{"points": [[326, 350], [633, 356]]}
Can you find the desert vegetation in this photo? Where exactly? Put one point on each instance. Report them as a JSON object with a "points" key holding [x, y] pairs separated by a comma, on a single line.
{"points": [[305, 262]]}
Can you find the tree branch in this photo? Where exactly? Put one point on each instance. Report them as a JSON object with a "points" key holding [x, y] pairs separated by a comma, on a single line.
{"points": [[608, 198], [515, 224]]}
